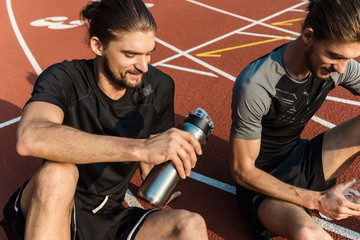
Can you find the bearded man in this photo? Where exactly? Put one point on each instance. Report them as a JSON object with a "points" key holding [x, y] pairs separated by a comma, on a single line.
{"points": [[94, 122], [280, 176]]}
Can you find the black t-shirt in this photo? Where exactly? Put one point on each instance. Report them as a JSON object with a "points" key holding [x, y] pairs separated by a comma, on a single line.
{"points": [[72, 85]]}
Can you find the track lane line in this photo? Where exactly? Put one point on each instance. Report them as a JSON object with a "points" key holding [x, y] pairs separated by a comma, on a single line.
{"points": [[187, 70], [12, 121], [337, 229], [213, 182], [182, 53], [263, 35], [323, 122], [21, 40], [131, 200], [341, 100]]}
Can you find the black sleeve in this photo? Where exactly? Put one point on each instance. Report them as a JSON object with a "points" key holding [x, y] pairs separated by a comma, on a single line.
{"points": [[52, 86]]}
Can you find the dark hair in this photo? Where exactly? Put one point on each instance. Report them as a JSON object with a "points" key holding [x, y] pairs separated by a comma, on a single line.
{"points": [[108, 17], [334, 20]]}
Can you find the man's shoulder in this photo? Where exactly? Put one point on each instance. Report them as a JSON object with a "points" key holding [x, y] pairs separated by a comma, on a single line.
{"points": [[72, 65], [262, 74], [269, 64], [66, 76], [67, 69]]}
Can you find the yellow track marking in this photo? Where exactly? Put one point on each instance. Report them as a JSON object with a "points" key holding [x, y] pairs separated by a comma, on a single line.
{"points": [[211, 53], [287, 22]]}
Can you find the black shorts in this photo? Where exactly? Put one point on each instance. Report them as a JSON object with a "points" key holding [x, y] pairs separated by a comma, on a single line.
{"points": [[110, 221], [302, 168]]}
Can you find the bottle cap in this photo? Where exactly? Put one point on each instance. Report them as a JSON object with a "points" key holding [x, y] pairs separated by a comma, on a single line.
{"points": [[201, 119]]}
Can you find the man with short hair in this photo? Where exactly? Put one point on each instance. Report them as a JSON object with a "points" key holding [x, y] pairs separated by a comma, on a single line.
{"points": [[94, 121], [280, 176]]}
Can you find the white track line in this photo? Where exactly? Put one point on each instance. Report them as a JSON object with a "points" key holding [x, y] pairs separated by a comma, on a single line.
{"points": [[188, 70], [21, 40], [323, 122], [337, 229], [263, 35], [7, 123], [213, 182], [26, 50], [182, 53], [254, 22], [131, 200], [336, 99], [297, 10]]}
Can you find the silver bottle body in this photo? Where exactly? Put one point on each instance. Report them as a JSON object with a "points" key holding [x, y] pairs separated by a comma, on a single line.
{"points": [[159, 185]]}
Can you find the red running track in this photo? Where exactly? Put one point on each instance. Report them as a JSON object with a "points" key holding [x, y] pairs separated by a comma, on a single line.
{"points": [[203, 45]]}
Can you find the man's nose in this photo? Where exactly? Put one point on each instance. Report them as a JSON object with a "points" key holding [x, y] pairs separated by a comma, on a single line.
{"points": [[340, 66], [142, 63]]}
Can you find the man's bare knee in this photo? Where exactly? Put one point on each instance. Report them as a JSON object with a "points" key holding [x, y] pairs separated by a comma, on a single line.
{"points": [[53, 183], [190, 225], [56, 181]]}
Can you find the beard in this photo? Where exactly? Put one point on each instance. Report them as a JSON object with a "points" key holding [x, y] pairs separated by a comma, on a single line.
{"points": [[311, 66], [120, 81]]}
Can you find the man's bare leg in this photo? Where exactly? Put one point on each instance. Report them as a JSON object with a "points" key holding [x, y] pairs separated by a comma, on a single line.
{"points": [[173, 224], [289, 221], [341, 146], [47, 201]]}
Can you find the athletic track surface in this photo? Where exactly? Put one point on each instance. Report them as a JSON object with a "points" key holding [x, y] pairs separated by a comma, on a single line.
{"points": [[203, 45]]}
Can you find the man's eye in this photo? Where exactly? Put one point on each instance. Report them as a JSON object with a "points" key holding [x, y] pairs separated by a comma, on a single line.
{"points": [[337, 57], [129, 55]]}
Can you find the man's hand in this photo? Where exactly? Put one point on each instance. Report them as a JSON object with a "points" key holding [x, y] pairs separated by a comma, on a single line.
{"points": [[176, 145], [333, 203]]}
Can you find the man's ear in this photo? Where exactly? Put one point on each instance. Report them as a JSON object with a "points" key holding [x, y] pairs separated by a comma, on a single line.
{"points": [[307, 35], [96, 46]]}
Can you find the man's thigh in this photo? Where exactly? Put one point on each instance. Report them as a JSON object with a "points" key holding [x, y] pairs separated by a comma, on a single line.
{"points": [[289, 220], [341, 146]]}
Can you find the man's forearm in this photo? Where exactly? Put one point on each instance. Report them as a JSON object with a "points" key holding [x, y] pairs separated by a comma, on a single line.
{"points": [[61, 143], [262, 182]]}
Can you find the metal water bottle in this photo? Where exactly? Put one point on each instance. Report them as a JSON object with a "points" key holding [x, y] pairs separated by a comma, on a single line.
{"points": [[160, 183]]}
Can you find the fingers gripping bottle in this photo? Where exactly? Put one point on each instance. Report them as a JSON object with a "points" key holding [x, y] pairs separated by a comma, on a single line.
{"points": [[160, 183]]}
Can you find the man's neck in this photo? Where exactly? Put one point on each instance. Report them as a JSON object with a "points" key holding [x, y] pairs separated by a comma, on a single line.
{"points": [[115, 93], [294, 60]]}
